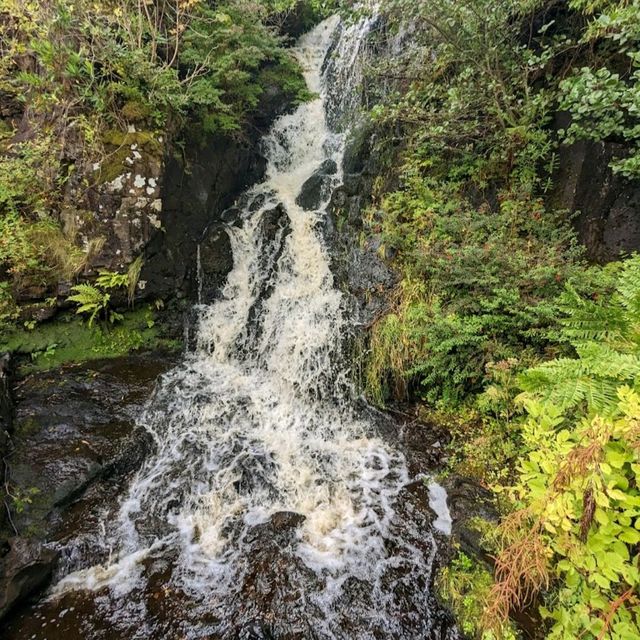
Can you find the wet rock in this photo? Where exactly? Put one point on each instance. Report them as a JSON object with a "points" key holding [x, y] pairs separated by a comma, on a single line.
{"points": [[467, 501], [359, 266], [275, 229], [7, 411], [6, 396], [280, 529], [273, 598], [216, 261], [24, 570], [75, 427], [315, 190], [198, 191], [607, 205]]}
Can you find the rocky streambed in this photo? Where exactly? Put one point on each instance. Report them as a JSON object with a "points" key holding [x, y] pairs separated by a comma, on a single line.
{"points": [[73, 442], [75, 445]]}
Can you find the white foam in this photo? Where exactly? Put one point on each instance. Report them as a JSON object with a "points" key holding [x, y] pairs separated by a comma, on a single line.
{"points": [[438, 502], [259, 419]]}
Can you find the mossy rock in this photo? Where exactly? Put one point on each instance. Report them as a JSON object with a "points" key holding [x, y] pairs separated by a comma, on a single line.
{"points": [[69, 340], [135, 111], [118, 144]]}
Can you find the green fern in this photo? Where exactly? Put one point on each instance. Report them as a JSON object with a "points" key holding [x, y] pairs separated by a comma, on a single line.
{"points": [[133, 276], [92, 301], [112, 280], [606, 337]]}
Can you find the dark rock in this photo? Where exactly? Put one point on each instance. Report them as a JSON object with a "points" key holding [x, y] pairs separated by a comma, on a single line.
{"points": [[6, 396], [24, 570], [198, 191], [75, 428], [38, 312], [216, 261], [275, 228], [7, 412], [468, 501], [357, 154], [316, 189], [296, 21], [607, 206]]}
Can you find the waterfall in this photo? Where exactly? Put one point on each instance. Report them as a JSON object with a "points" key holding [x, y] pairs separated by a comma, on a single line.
{"points": [[269, 505]]}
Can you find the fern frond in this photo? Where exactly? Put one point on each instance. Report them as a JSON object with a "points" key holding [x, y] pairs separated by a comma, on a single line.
{"points": [[602, 361], [86, 294], [591, 321], [628, 286], [537, 379]]}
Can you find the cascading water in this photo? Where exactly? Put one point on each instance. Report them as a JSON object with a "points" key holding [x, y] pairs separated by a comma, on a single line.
{"points": [[269, 508]]}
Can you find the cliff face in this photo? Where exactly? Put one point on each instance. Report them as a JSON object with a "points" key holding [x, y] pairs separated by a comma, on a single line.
{"points": [[605, 206], [121, 210], [151, 198]]}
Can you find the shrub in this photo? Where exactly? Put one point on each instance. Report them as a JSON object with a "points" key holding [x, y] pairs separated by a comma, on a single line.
{"points": [[577, 493]]}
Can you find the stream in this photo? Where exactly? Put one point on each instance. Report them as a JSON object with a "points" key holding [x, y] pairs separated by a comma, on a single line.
{"points": [[271, 506]]}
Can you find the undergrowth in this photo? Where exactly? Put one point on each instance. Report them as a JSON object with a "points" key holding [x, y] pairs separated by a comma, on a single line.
{"points": [[498, 324]]}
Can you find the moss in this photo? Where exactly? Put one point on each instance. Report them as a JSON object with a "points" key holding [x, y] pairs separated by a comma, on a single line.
{"points": [[147, 140], [70, 340], [464, 586], [287, 76], [118, 144], [113, 165], [27, 427], [136, 111], [6, 133]]}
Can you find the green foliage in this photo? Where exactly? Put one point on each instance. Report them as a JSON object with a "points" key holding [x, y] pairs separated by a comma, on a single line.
{"points": [[94, 300], [468, 224], [22, 498], [577, 496], [493, 283], [604, 334], [464, 585], [166, 60], [604, 97], [81, 72], [69, 340], [483, 284]]}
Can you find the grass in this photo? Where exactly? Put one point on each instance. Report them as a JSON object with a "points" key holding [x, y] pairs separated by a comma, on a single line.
{"points": [[69, 340]]}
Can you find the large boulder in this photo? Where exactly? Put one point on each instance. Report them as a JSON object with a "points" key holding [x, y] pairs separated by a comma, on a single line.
{"points": [[316, 189], [75, 428]]}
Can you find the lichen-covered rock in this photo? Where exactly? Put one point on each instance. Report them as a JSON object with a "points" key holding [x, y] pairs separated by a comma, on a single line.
{"points": [[115, 217]]}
